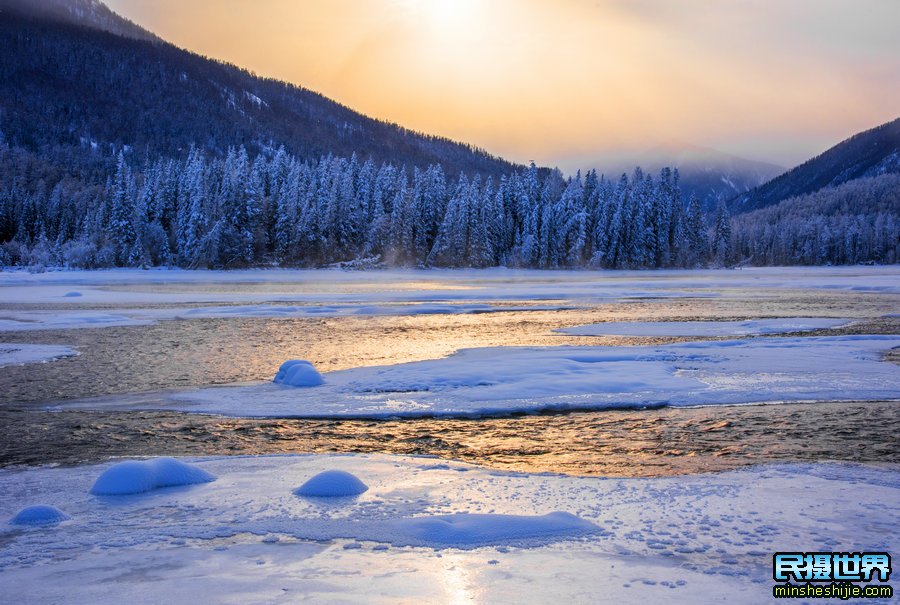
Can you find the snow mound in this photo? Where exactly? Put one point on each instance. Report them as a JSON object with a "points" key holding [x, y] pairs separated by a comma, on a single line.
{"points": [[298, 373], [41, 514], [135, 477], [332, 484], [467, 529]]}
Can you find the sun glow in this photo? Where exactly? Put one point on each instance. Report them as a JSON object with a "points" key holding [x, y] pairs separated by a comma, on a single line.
{"points": [[440, 14], [565, 82]]}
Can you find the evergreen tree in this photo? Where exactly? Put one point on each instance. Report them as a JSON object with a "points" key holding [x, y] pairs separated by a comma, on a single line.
{"points": [[722, 236], [122, 230], [697, 239]]}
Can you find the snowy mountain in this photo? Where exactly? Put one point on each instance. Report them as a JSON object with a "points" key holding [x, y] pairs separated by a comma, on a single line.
{"points": [[119, 149], [92, 13], [710, 175], [75, 75], [867, 154], [855, 222]]}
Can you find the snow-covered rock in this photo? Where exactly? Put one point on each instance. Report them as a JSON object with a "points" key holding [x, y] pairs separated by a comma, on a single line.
{"points": [[40, 514], [332, 484], [298, 373], [135, 477]]}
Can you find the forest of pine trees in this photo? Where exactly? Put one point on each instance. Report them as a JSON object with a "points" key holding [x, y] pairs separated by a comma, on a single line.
{"points": [[274, 209], [858, 221]]}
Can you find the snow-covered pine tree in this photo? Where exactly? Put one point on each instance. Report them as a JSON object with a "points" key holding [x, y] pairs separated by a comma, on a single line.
{"points": [[122, 232], [192, 219], [452, 243], [722, 236], [697, 238]]}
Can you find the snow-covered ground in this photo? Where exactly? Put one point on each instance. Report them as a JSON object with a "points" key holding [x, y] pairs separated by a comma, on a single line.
{"points": [[750, 327], [428, 531], [18, 354], [529, 379]]}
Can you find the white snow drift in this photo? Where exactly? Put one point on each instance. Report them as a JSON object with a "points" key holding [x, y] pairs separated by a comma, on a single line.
{"points": [[135, 477], [750, 327], [436, 533]]}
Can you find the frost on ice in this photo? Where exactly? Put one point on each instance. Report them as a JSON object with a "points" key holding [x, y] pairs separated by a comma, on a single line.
{"points": [[425, 532], [298, 373], [19, 354], [332, 484], [28, 321], [750, 327], [40, 514], [135, 477]]}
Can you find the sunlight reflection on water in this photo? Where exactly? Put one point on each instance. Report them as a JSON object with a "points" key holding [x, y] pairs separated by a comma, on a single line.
{"points": [[198, 352]]}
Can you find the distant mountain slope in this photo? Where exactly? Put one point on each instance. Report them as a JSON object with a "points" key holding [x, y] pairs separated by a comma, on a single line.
{"points": [[854, 222], [867, 154], [66, 81], [710, 175]]}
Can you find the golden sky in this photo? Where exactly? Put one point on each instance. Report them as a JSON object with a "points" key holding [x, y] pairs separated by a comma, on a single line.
{"points": [[572, 82]]}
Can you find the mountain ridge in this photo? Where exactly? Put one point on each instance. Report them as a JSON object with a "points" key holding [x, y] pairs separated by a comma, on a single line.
{"points": [[70, 81], [868, 153], [92, 13]]}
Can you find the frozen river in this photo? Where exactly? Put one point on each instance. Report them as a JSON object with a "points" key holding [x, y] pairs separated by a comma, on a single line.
{"points": [[586, 434], [155, 332]]}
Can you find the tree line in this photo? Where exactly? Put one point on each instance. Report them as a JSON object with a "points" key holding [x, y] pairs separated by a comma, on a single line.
{"points": [[276, 209], [856, 222], [238, 211]]}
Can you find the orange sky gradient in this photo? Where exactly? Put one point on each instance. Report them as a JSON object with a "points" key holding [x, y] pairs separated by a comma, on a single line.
{"points": [[572, 82]]}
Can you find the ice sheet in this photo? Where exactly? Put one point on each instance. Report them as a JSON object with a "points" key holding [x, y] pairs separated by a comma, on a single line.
{"points": [[18, 354], [518, 538], [750, 327], [505, 380]]}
